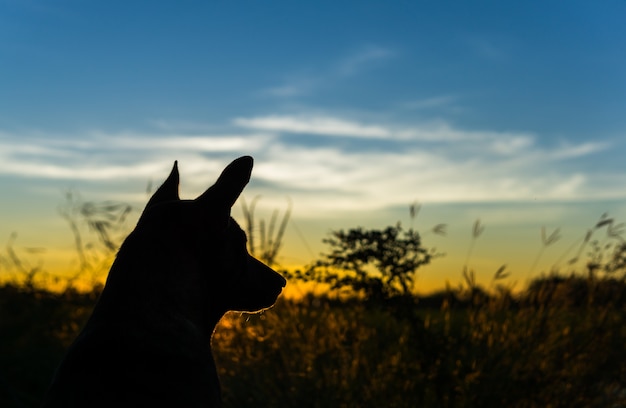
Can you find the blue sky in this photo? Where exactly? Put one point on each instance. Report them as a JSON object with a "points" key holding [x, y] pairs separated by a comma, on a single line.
{"points": [[353, 110]]}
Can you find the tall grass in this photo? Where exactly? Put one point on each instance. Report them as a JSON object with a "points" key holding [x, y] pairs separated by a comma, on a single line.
{"points": [[557, 343], [470, 352], [459, 348]]}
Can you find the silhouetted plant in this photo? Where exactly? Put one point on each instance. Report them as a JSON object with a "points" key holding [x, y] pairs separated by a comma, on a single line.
{"points": [[607, 255], [602, 285], [559, 343], [617, 263], [546, 241], [613, 234], [271, 239], [477, 231], [106, 229], [20, 270], [378, 264], [439, 229]]}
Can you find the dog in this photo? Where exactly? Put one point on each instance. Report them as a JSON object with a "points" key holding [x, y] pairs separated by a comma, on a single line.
{"points": [[147, 342]]}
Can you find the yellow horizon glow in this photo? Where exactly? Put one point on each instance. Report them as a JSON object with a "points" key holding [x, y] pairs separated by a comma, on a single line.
{"points": [[58, 267], [516, 245]]}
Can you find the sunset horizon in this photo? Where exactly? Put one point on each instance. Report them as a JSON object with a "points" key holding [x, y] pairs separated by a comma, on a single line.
{"points": [[507, 114]]}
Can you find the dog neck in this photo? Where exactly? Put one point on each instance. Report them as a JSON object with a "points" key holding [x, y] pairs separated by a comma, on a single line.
{"points": [[138, 289]]}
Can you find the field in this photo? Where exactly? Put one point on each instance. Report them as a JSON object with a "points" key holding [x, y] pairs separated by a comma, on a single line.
{"points": [[369, 340], [559, 345]]}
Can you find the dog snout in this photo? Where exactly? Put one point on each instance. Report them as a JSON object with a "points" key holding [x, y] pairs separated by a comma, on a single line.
{"points": [[281, 281], [277, 278], [265, 273]]}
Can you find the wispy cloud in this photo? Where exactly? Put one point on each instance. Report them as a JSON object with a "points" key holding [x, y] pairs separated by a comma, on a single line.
{"points": [[363, 59], [102, 156], [503, 143], [318, 125], [181, 142], [436, 162], [296, 85], [439, 101], [373, 166], [568, 151], [352, 64]]}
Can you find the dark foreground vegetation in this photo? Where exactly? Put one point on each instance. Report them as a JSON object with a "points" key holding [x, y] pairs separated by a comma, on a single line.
{"points": [[559, 344], [369, 341]]}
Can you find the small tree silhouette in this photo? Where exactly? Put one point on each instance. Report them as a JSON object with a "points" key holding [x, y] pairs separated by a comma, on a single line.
{"points": [[379, 264]]}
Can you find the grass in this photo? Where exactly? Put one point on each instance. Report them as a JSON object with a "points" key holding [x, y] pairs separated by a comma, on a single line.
{"points": [[551, 346], [557, 343], [469, 352]]}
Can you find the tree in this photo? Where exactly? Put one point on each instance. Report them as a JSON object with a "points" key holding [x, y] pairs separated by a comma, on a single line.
{"points": [[379, 264]]}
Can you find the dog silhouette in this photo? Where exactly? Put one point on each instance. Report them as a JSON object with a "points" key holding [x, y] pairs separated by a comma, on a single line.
{"points": [[147, 342]]}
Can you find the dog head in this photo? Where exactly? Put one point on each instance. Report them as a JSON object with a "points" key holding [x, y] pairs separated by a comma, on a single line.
{"points": [[198, 255]]}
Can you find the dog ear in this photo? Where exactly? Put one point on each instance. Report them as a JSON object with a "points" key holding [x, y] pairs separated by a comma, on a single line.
{"points": [[168, 190], [230, 183]]}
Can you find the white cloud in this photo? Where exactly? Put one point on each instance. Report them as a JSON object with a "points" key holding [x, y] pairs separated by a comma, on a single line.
{"points": [[433, 162], [102, 156], [81, 172], [502, 143], [182, 142], [584, 149], [569, 187], [499, 142], [511, 145], [318, 125]]}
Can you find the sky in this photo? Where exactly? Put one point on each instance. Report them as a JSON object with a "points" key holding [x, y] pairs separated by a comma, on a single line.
{"points": [[511, 113]]}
